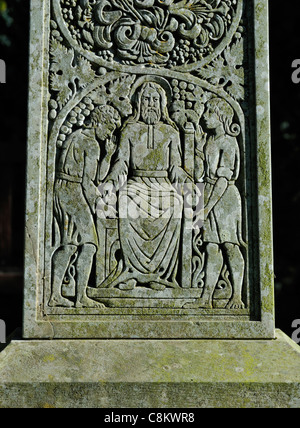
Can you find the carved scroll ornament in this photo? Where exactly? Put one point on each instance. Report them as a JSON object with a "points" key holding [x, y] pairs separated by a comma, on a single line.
{"points": [[155, 32]]}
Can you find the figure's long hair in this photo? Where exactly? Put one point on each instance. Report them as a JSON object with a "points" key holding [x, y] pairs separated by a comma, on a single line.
{"points": [[225, 114], [136, 117]]}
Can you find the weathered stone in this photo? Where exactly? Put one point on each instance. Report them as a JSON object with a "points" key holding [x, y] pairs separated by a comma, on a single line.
{"points": [[151, 373], [149, 211], [148, 203]]}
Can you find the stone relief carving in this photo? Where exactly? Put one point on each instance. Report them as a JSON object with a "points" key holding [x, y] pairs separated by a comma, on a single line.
{"points": [[148, 173], [222, 229], [75, 202], [147, 31], [150, 221]]}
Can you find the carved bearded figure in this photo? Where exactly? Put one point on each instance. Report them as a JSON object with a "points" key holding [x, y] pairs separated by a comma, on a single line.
{"points": [[150, 208]]}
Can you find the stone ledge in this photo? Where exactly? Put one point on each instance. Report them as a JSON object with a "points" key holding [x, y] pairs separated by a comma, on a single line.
{"points": [[150, 373]]}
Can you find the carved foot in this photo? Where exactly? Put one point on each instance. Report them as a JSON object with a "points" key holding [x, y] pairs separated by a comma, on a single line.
{"points": [[128, 285], [57, 301], [199, 303], [157, 286], [235, 303], [86, 302]]}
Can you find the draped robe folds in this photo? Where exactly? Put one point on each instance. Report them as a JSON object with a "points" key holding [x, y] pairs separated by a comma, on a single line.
{"points": [[75, 195], [150, 207]]}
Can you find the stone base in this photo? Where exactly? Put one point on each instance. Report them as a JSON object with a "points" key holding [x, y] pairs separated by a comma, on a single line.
{"points": [[150, 373]]}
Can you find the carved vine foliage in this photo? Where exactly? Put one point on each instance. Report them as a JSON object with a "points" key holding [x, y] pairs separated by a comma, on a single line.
{"points": [[69, 75], [157, 33], [227, 71], [167, 32]]}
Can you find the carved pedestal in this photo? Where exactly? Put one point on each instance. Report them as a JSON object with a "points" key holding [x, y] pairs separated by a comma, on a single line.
{"points": [[153, 374]]}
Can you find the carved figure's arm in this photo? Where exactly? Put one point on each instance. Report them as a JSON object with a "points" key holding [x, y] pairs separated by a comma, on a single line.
{"points": [[92, 155], [119, 171], [200, 141], [106, 162], [229, 163], [177, 173], [217, 193], [228, 170]]}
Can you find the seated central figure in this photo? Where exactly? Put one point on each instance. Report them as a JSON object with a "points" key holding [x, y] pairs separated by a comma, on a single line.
{"points": [[146, 173]]}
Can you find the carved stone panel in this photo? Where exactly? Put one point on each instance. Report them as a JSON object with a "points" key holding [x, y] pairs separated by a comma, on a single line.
{"points": [[148, 207]]}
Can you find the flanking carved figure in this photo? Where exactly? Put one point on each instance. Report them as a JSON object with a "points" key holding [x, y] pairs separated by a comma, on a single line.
{"points": [[222, 228], [76, 197]]}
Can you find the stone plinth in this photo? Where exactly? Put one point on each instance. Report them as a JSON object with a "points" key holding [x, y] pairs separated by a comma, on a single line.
{"points": [[151, 373]]}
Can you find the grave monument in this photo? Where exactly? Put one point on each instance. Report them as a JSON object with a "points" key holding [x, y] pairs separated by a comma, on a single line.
{"points": [[148, 260]]}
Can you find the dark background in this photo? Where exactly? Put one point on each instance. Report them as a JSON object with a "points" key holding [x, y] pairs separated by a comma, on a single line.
{"points": [[285, 109]]}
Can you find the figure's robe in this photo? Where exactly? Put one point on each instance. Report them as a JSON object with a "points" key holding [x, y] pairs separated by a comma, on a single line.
{"points": [[224, 222], [75, 194], [150, 207]]}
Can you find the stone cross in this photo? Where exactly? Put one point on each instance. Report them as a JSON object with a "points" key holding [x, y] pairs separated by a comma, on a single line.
{"points": [[148, 198]]}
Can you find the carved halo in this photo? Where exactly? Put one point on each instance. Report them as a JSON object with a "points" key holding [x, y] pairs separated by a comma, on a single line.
{"points": [[156, 79]]}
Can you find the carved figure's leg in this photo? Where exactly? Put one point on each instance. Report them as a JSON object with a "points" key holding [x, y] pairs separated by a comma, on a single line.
{"points": [[83, 267], [214, 263], [60, 262], [236, 267]]}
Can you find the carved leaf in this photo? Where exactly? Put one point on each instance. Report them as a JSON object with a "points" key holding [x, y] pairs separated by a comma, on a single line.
{"points": [[64, 91], [227, 71], [68, 73], [236, 87], [116, 93], [234, 72], [234, 54], [62, 58], [84, 72], [119, 90], [88, 37], [215, 72], [62, 69]]}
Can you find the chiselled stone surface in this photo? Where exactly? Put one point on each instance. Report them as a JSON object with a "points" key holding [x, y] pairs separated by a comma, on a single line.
{"points": [[146, 159]]}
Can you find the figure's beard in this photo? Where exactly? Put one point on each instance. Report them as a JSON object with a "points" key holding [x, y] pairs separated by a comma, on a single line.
{"points": [[150, 115]]}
